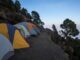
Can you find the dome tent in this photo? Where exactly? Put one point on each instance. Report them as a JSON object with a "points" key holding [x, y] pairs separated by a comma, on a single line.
{"points": [[14, 36], [23, 29], [31, 28], [6, 49], [4, 30]]}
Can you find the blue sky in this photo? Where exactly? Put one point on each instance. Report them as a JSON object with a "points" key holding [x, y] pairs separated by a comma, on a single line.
{"points": [[54, 11]]}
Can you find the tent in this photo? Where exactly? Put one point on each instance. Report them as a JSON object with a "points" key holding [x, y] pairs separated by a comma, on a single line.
{"points": [[14, 36], [4, 29], [19, 41], [23, 29], [31, 28], [27, 28], [36, 28], [24, 24], [6, 49]]}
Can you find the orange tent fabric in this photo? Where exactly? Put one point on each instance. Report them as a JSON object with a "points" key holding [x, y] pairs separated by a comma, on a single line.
{"points": [[19, 41], [4, 29]]}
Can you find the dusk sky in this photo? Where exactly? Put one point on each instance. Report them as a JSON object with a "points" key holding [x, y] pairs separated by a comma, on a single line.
{"points": [[54, 11]]}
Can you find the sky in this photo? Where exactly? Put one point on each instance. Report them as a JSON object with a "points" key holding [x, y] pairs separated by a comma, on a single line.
{"points": [[54, 11]]}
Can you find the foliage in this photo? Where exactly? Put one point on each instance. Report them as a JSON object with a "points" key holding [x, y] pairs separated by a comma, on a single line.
{"points": [[28, 16], [8, 4], [14, 8], [17, 18], [54, 29], [70, 30], [11, 4], [35, 15], [36, 18], [17, 6], [24, 11], [69, 27]]}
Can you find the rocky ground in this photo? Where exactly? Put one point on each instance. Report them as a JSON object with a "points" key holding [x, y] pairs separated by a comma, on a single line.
{"points": [[42, 48]]}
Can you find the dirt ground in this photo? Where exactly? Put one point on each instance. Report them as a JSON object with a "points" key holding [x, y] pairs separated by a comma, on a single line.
{"points": [[42, 48]]}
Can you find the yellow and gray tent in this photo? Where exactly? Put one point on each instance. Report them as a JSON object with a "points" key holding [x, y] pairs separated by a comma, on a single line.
{"points": [[14, 36], [23, 30], [6, 49]]}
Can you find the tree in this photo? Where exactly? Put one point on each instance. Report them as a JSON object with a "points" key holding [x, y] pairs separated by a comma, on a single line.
{"points": [[11, 5], [35, 15], [25, 13], [70, 28], [55, 36], [4, 2], [36, 18], [17, 6], [28, 16], [54, 29], [8, 4]]}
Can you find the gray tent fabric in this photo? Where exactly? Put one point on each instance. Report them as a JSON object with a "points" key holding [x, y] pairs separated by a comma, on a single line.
{"points": [[24, 31], [6, 49], [24, 24], [34, 31]]}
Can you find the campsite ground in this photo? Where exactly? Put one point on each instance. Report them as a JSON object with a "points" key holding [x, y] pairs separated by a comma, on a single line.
{"points": [[42, 48]]}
